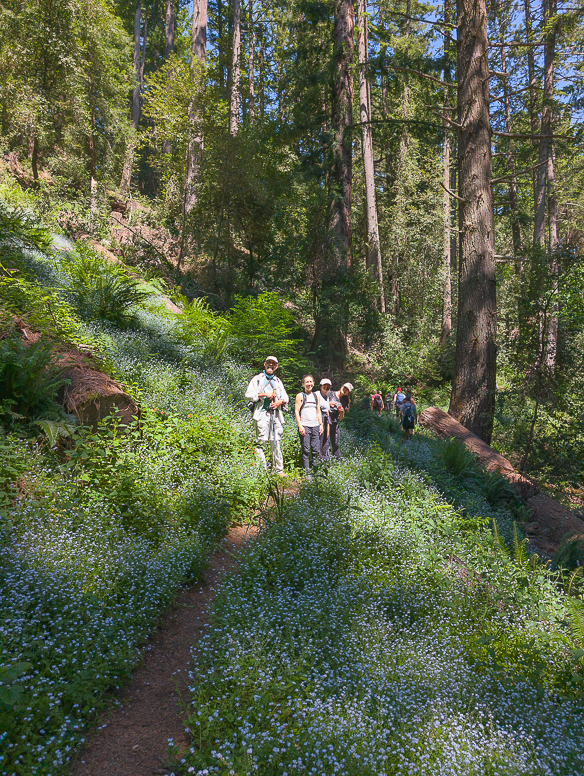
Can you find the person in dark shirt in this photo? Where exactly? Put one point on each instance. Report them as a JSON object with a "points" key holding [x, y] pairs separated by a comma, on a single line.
{"points": [[339, 404], [409, 416]]}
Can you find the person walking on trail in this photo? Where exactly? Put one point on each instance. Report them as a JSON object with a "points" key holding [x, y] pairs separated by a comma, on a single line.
{"points": [[339, 403], [268, 396], [409, 416], [324, 390], [309, 419], [377, 402], [398, 400], [388, 401]]}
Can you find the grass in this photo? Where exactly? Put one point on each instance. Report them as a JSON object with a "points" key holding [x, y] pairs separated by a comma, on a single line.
{"points": [[377, 629]]}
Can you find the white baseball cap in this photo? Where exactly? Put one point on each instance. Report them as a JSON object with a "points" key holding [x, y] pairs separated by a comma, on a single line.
{"points": [[325, 381], [271, 358], [348, 386]]}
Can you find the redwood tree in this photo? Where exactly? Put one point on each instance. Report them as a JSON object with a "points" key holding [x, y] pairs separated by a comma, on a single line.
{"points": [[472, 400]]}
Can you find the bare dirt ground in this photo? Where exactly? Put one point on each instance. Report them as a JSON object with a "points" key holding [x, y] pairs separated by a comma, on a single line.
{"points": [[132, 739]]}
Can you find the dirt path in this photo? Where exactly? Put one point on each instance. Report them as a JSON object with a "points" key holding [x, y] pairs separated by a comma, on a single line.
{"points": [[134, 741]]}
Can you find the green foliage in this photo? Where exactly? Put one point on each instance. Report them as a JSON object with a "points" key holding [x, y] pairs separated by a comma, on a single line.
{"points": [[262, 326], [496, 489], [199, 320], [29, 380], [458, 459], [99, 290], [20, 229]]}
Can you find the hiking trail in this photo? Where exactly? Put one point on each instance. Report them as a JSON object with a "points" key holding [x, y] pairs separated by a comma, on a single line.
{"points": [[132, 738]]}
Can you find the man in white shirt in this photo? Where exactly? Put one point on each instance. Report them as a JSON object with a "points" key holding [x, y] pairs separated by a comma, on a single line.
{"points": [[309, 419], [268, 395]]}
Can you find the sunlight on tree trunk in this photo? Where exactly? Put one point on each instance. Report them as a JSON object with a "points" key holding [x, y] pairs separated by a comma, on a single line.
{"points": [[342, 121], [446, 241], [129, 160], [372, 226], [235, 74], [472, 400]]}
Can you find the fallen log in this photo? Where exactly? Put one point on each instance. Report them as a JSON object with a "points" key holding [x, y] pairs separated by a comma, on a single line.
{"points": [[549, 521], [92, 395]]}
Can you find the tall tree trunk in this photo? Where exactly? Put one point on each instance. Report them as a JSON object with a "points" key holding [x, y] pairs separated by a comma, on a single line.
{"points": [[342, 121], [472, 401], [372, 226], [169, 29], [446, 214], [262, 77], [196, 138], [168, 49], [513, 199], [251, 64], [135, 116], [546, 188], [533, 119], [235, 74], [93, 175]]}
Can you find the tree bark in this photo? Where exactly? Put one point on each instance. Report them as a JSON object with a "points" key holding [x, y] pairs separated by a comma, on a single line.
{"points": [[235, 74], [533, 119], [372, 226], [513, 199], [251, 65], [196, 139], [472, 400], [446, 214], [547, 153], [135, 115], [169, 29], [342, 121]]}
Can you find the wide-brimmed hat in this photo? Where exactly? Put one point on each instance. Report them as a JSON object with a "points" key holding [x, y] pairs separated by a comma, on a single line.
{"points": [[325, 381]]}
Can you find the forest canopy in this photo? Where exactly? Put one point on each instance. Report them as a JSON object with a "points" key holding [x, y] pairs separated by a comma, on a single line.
{"points": [[406, 177]]}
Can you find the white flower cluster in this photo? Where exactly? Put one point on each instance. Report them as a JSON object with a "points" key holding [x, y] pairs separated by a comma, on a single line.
{"points": [[353, 642]]}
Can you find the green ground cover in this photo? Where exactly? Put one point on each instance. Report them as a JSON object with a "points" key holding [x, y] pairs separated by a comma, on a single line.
{"points": [[98, 534], [377, 629]]}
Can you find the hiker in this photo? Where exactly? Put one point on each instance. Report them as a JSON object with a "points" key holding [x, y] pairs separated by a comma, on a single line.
{"points": [[324, 389], [409, 416], [268, 396], [377, 402], [388, 400], [339, 403], [398, 400], [309, 419]]}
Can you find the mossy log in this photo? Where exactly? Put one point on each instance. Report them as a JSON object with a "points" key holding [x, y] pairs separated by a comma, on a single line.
{"points": [[549, 521], [92, 396]]}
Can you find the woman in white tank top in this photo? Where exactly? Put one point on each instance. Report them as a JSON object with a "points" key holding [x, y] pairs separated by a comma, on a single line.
{"points": [[309, 419]]}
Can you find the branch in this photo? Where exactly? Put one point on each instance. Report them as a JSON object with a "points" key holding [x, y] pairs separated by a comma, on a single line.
{"points": [[521, 136], [424, 75], [519, 91], [515, 174], [424, 21], [515, 44], [498, 257], [445, 118], [452, 194]]}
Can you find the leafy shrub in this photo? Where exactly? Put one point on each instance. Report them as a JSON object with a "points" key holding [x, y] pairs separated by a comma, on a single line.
{"points": [[19, 230], [496, 489], [198, 319], [100, 290], [29, 380], [261, 326], [458, 459]]}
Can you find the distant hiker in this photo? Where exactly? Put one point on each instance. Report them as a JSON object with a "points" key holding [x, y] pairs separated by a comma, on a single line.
{"points": [[388, 401], [324, 390], [267, 395], [409, 416], [309, 419], [398, 400], [339, 403], [377, 402]]}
